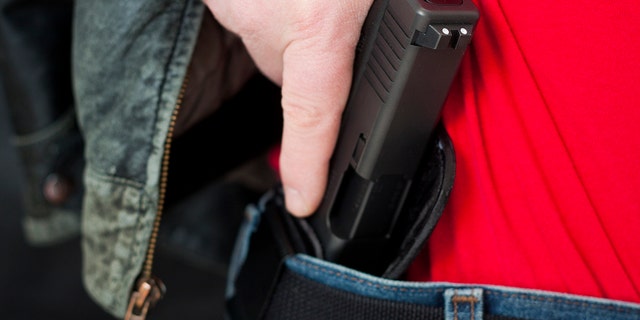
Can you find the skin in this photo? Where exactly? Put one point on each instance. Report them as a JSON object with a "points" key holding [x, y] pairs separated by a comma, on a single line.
{"points": [[307, 47]]}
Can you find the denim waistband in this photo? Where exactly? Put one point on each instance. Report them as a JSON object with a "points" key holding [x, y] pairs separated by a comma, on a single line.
{"points": [[463, 301]]}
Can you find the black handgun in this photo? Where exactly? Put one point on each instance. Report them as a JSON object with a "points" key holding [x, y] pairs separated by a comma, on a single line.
{"points": [[406, 60]]}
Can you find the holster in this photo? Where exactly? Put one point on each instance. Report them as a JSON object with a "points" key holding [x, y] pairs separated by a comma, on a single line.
{"points": [[275, 253]]}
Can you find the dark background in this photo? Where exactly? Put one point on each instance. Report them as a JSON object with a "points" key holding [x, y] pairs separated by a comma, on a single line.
{"points": [[45, 283]]}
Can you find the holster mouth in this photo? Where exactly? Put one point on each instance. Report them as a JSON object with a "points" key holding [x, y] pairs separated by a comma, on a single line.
{"points": [[270, 234]]}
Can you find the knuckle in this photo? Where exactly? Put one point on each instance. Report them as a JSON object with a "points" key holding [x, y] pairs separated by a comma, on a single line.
{"points": [[301, 114]]}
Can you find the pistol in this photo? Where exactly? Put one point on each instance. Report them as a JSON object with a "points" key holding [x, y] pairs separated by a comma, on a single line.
{"points": [[407, 57]]}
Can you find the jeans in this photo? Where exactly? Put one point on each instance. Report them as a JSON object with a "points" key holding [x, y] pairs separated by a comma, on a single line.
{"points": [[449, 300], [462, 301]]}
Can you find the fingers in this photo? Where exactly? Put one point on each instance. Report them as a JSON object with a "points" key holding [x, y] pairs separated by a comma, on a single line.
{"points": [[308, 48], [316, 83]]}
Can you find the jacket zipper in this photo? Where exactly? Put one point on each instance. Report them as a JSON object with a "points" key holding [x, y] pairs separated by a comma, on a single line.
{"points": [[149, 288]]}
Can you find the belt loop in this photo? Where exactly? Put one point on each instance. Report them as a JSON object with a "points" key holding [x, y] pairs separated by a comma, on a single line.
{"points": [[463, 304]]}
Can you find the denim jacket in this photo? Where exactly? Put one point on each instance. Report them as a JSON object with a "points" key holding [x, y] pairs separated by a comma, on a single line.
{"points": [[130, 65]]}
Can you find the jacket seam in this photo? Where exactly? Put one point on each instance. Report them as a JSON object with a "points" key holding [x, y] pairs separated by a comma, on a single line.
{"points": [[93, 173]]}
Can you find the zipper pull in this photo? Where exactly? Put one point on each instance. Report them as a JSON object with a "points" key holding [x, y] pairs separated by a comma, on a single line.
{"points": [[150, 291]]}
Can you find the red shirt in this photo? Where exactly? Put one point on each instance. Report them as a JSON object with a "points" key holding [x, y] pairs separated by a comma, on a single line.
{"points": [[545, 119]]}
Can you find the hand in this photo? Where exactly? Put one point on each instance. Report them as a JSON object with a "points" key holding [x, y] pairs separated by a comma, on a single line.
{"points": [[308, 48]]}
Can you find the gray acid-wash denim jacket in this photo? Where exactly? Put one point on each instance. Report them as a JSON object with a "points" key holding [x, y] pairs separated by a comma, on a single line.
{"points": [[130, 59]]}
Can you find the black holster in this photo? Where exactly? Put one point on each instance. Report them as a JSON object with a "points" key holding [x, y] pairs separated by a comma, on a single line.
{"points": [[259, 278]]}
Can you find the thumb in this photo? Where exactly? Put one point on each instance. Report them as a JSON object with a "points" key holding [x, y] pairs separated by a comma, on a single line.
{"points": [[315, 86]]}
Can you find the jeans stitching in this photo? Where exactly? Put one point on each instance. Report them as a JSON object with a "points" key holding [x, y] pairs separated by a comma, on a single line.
{"points": [[471, 300], [455, 305], [365, 282], [523, 296]]}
